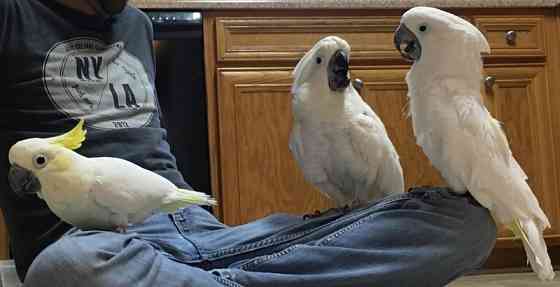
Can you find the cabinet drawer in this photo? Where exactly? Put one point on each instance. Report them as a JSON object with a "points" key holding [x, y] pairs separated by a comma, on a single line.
{"points": [[513, 36], [288, 38]]}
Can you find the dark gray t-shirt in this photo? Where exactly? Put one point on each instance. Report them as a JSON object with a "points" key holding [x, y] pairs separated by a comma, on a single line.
{"points": [[58, 65]]}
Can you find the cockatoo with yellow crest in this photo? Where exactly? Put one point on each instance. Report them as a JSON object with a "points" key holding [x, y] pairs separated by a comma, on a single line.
{"points": [[340, 144], [456, 131], [101, 192]]}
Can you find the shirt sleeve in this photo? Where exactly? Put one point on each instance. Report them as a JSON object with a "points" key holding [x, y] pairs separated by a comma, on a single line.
{"points": [[5, 22]]}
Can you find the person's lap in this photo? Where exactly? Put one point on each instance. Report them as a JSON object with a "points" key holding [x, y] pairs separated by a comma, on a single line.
{"points": [[422, 238]]}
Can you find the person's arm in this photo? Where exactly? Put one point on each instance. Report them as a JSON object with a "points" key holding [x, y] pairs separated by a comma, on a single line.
{"points": [[4, 22]]}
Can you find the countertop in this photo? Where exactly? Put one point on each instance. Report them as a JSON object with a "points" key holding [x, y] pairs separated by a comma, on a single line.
{"points": [[335, 4], [505, 280]]}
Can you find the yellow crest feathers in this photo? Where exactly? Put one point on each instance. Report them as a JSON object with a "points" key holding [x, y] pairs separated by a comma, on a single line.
{"points": [[72, 139]]}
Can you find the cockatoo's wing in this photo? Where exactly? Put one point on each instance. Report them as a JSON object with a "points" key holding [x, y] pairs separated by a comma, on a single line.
{"points": [[295, 144], [493, 152], [478, 123], [499, 183], [493, 163], [373, 150], [352, 161], [311, 151], [127, 189]]}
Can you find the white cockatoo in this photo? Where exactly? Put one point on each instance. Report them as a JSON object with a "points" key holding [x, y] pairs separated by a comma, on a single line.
{"points": [[340, 144], [456, 131], [101, 192]]}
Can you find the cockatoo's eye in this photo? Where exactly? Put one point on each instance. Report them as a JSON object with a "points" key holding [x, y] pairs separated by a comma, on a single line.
{"points": [[319, 60], [423, 28], [40, 161]]}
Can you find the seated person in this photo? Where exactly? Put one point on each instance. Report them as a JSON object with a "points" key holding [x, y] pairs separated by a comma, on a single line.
{"points": [[66, 59]]}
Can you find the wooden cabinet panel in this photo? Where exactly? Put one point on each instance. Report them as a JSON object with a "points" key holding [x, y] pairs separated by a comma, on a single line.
{"points": [[520, 100], [259, 175], [288, 38], [525, 38]]}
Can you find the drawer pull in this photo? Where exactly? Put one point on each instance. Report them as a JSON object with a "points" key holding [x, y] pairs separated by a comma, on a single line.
{"points": [[489, 82], [511, 38], [358, 85]]}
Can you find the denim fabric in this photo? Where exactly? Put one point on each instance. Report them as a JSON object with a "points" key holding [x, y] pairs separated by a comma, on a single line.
{"points": [[426, 237]]}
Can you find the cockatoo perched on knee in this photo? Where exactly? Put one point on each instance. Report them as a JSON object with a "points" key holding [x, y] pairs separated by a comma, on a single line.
{"points": [[456, 131], [338, 141], [100, 192]]}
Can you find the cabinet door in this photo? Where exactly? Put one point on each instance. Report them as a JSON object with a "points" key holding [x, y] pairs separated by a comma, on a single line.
{"points": [[519, 98], [258, 174]]}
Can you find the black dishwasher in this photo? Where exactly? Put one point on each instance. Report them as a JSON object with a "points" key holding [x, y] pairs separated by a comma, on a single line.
{"points": [[179, 52]]}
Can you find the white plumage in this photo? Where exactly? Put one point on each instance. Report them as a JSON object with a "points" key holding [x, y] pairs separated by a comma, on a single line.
{"points": [[100, 192], [338, 141], [456, 131]]}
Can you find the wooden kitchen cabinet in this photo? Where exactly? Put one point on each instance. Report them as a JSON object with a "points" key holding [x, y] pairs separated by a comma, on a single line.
{"points": [[249, 62], [520, 99], [258, 170]]}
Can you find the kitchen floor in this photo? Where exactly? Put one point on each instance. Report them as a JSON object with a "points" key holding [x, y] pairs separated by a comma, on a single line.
{"points": [[505, 280]]}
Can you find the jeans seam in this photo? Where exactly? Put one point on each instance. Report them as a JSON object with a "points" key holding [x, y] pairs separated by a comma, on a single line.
{"points": [[181, 230], [257, 245], [267, 258], [219, 254], [356, 224], [227, 282], [340, 232]]}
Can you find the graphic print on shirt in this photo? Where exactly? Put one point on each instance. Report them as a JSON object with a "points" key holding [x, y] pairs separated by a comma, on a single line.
{"points": [[106, 85]]}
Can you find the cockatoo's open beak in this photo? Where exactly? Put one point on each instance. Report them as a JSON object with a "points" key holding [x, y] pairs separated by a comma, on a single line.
{"points": [[338, 71], [407, 44]]}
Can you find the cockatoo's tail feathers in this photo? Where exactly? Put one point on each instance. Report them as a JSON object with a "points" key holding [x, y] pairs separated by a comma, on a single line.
{"points": [[535, 247], [184, 197], [72, 139]]}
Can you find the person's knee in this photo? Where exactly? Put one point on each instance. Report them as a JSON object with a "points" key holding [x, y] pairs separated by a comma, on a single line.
{"points": [[478, 235], [70, 261], [53, 265]]}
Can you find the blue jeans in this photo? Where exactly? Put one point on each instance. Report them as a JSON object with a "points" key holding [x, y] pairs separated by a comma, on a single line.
{"points": [[426, 237]]}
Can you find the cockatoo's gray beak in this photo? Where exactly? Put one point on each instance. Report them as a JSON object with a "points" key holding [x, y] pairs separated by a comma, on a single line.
{"points": [[22, 181], [407, 43], [338, 71]]}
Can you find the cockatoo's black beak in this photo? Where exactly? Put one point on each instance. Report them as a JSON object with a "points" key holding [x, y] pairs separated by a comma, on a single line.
{"points": [[22, 181], [338, 71], [407, 43]]}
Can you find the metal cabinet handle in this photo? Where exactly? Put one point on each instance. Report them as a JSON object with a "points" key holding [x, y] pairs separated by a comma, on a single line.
{"points": [[358, 85], [511, 38], [489, 82]]}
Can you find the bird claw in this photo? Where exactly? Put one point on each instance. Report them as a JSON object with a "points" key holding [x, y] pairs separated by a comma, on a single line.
{"points": [[315, 214], [318, 213], [121, 229]]}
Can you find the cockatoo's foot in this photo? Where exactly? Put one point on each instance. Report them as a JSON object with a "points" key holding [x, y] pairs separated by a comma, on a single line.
{"points": [[343, 209], [121, 229], [315, 214], [318, 213]]}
